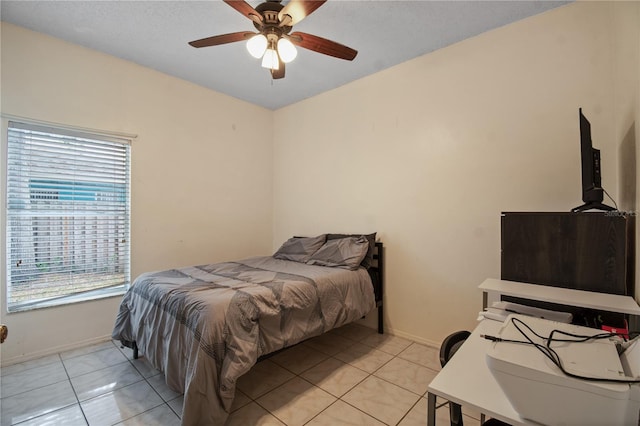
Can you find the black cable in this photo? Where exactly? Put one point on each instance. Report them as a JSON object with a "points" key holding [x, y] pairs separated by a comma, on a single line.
{"points": [[611, 198], [550, 338], [552, 354]]}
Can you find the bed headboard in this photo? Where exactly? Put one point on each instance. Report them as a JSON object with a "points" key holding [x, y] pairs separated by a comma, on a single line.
{"points": [[376, 271]]}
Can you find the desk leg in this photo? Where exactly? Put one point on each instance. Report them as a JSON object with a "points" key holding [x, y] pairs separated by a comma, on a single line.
{"points": [[431, 409]]}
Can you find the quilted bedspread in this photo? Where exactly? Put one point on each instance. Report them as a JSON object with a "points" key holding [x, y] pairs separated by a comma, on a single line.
{"points": [[205, 326]]}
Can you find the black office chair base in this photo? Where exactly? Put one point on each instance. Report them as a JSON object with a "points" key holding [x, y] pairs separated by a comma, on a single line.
{"points": [[495, 422]]}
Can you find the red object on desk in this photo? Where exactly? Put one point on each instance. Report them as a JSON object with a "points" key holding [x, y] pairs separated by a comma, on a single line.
{"points": [[624, 332]]}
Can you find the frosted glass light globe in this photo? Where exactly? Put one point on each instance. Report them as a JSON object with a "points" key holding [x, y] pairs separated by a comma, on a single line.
{"points": [[257, 45], [270, 60], [286, 50]]}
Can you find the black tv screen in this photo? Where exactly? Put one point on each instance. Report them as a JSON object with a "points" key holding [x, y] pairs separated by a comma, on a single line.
{"points": [[590, 160], [592, 192]]}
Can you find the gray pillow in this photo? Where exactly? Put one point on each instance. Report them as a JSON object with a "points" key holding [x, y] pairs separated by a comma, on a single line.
{"points": [[343, 253], [300, 249], [368, 259]]}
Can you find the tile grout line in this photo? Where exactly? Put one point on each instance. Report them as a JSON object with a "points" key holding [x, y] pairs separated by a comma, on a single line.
{"points": [[372, 374], [73, 389], [369, 374], [409, 410], [68, 379], [146, 379], [79, 403], [39, 387], [353, 387], [299, 375], [93, 371], [61, 381]]}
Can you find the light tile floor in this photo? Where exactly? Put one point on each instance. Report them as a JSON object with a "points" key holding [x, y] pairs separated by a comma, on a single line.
{"points": [[349, 376]]}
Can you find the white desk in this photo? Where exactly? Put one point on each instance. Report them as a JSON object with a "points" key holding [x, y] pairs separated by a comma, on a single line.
{"points": [[467, 380]]}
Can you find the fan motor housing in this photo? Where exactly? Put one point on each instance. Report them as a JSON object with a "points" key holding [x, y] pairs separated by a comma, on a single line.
{"points": [[270, 11]]}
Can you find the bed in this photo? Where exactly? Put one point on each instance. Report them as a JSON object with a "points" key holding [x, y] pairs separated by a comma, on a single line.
{"points": [[205, 326]]}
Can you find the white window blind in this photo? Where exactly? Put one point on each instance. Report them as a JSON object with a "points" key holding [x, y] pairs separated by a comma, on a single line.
{"points": [[67, 216]]}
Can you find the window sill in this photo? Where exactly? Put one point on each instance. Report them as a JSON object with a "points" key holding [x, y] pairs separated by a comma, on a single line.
{"points": [[102, 293]]}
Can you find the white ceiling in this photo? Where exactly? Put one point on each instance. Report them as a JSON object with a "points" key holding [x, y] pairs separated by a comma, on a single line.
{"points": [[155, 34]]}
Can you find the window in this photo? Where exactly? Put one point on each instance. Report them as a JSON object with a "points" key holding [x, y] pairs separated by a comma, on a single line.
{"points": [[67, 216]]}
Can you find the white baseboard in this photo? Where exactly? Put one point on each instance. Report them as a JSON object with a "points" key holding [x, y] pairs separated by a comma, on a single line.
{"points": [[371, 321], [416, 339], [54, 350], [367, 322]]}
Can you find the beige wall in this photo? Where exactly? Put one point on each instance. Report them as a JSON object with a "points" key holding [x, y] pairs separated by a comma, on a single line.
{"points": [[637, 138], [201, 169], [626, 82], [627, 73], [429, 153]]}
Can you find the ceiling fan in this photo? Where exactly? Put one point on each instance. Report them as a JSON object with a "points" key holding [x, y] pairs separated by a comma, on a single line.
{"points": [[274, 42]]}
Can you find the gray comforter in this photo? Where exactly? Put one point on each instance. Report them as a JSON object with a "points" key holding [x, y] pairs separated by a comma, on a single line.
{"points": [[205, 326]]}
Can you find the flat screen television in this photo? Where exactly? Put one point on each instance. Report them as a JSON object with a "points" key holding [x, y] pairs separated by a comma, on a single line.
{"points": [[592, 192]]}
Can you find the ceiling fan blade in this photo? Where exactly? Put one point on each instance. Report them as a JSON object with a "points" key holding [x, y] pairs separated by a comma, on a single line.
{"points": [[322, 45], [299, 9], [279, 73], [221, 39], [246, 9]]}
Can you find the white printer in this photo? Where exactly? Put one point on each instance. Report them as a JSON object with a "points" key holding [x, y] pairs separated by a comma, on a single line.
{"points": [[540, 392]]}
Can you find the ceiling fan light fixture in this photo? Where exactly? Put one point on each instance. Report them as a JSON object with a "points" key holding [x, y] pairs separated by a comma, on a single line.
{"points": [[286, 50], [257, 45], [273, 42], [270, 60]]}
